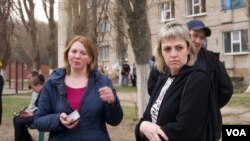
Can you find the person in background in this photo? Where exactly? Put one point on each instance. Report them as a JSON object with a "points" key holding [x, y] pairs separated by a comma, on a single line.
{"points": [[37, 84], [25, 118], [172, 109], [125, 73], [152, 62], [1, 92], [81, 88], [210, 63], [133, 75], [34, 96]]}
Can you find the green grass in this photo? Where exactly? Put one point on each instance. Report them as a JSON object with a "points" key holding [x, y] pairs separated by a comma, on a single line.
{"points": [[129, 112], [13, 103], [240, 88], [240, 100], [128, 89]]}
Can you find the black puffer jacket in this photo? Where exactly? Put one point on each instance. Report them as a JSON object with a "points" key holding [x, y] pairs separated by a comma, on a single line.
{"points": [[221, 84]]}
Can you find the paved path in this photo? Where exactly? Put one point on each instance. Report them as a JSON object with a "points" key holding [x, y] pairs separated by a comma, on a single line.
{"points": [[236, 115], [12, 90]]}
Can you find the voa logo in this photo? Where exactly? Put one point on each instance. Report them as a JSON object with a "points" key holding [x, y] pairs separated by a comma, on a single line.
{"points": [[236, 132]]}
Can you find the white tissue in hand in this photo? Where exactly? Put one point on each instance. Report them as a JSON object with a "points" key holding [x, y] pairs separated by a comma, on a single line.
{"points": [[74, 115]]}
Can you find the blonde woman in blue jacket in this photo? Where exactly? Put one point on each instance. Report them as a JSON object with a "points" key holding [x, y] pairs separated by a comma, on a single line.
{"points": [[82, 88]]}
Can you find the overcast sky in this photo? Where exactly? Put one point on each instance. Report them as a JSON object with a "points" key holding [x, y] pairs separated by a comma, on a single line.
{"points": [[39, 12]]}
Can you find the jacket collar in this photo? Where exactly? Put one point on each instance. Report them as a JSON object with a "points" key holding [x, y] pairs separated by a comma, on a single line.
{"points": [[57, 79]]}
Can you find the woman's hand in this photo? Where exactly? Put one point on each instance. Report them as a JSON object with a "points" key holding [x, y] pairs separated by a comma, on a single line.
{"points": [[26, 114], [152, 131], [106, 94], [69, 123]]}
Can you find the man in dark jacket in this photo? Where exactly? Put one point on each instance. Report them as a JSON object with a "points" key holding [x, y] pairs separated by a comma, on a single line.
{"points": [[1, 90], [209, 62], [125, 73]]}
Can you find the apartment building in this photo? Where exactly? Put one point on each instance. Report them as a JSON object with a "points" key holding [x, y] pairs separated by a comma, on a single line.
{"points": [[228, 20]]}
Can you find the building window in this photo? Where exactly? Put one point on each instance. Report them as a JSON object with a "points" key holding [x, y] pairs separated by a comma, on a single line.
{"points": [[104, 25], [235, 42], [232, 4], [196, 7], [103, 53], [167, 11]]}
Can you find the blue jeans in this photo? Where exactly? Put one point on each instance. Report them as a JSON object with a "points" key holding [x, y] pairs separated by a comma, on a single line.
{"points": [[124, 81]]}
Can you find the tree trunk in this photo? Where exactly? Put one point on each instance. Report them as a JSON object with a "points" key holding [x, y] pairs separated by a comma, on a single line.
{"points": [[6, 30], [5, 49], [92, 25], [27, 8], [62, 29], [142, 94], [120, 45], [248, 89], [140, 37], [52, 43]]}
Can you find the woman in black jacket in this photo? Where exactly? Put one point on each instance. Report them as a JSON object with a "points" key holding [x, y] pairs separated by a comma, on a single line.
{"points": [[178, 108]]}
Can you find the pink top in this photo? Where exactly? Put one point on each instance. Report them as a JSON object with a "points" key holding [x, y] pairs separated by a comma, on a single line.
{"points": [[74, 96]]}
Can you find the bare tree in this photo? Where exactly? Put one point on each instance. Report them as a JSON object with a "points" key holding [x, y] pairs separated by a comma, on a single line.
{"points": [[120, 48], [27, 7], [48, 6], [80, 15], [84, 18], [140, 37], [76, 17], [93, 21], [6, 31], [63, 28]]}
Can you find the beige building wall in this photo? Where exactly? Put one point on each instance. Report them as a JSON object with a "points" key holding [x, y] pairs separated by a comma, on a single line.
{"points": [[218, 20], [110, 39]]}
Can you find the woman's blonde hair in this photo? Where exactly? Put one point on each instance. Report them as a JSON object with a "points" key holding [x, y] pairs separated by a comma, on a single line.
{"points": [[90, 48], [173, 30]]}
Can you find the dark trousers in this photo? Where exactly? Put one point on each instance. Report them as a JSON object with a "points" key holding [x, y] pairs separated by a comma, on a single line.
{"points": [[133, 80], [21, 128], [0, 109]]}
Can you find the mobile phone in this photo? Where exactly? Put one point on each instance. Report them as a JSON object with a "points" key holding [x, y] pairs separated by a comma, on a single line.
{"points": [[74, 115]]}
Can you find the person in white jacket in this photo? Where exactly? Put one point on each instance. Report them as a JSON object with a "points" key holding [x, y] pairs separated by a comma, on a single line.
{"points": [[25, 117]]}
